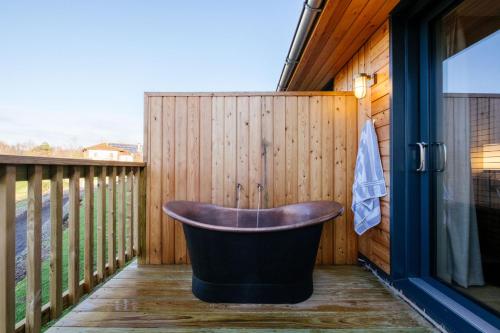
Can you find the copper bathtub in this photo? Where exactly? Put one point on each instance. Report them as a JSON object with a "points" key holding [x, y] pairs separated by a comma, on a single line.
{"points": [[251, 256]]}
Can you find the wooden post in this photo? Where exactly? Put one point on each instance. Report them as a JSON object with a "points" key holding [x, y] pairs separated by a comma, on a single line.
{"points": [[34, 254], [129, 210], [135, 200], [56, 220], [89, 229], [112, 221], [7, 248], [101, 224], [121, 217], [74, 236], [142, 216]]}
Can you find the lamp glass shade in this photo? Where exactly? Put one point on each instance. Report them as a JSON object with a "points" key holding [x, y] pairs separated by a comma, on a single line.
{"points": [[360, 85]]}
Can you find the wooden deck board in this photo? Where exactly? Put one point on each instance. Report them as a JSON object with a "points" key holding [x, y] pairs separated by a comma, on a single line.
{"points": [[158, 299]]}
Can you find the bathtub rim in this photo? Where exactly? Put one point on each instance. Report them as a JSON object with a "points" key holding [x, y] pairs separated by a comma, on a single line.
{"points": [[333, 215]]}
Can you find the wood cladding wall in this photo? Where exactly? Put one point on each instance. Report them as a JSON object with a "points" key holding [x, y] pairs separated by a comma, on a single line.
{"points": [[373, 58], [299, 146]]}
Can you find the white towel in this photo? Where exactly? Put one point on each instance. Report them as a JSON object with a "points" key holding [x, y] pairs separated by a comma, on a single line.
{"points": [[369, 182]]}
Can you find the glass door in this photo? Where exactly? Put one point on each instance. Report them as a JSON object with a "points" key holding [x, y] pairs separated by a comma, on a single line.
{"points": [[464, 150]]}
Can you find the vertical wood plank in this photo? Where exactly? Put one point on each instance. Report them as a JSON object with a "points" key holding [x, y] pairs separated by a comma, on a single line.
{"points": [[230, 151], [135, 216], [74, 236], [218, 150], [255, 150], [111, 228], [267, 150], [155, 185], [351, 153], [101, 223], [7, 248], [56, 221], [168, 179], [193, 149], [315, 155], [121, 216], [315, 111], [292, 154], [279, 150], [130, 214], [34, 251], [303, 149], [206, 149], [89, 229], [181, 126], [242, 105], [193, 154], [327, 170], [339, 177]]}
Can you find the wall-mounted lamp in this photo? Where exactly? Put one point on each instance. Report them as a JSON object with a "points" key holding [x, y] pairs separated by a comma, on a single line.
{"points": [[360, 84]]}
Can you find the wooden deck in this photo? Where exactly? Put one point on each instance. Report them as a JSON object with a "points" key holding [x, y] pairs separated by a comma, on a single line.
{"points": [[159, 299]]}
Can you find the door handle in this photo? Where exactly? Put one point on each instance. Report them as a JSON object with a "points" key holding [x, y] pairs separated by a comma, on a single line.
{"points": [[423, 160], [443, 154]]}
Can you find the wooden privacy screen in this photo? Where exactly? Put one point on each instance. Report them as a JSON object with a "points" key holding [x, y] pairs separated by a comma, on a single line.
{"points": [[300, 146]]}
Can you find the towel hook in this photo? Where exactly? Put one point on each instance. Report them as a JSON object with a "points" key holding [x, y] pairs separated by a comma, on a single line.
{"points": [[371, 118]]}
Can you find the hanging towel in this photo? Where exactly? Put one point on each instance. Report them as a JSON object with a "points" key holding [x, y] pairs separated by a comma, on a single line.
{"points": [[369, 182]]}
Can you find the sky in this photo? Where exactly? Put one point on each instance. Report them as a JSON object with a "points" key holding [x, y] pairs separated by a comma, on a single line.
{"points": [[475, 69], [73, 73]]}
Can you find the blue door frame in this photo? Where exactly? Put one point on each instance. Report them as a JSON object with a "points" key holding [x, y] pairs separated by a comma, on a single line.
{"points": [[411, 243]]}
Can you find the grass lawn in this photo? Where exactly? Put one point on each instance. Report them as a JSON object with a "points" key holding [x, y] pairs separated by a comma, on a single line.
{"points": [[21, 285]]}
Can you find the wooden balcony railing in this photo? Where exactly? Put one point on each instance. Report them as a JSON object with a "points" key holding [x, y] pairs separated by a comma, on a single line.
{"points": [[124, 194]]}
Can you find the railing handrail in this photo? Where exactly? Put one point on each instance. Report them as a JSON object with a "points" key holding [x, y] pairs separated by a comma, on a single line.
{"points": [[42, 160]]}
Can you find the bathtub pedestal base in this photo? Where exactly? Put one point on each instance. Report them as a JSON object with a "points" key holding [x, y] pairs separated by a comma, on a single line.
{"points": [[252, 292]]}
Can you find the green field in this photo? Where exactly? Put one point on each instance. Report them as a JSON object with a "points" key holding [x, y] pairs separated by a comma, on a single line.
{"points": [[21, 285]]}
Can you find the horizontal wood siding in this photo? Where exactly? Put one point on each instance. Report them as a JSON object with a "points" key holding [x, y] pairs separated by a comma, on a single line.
{"points": [[202, 146], [373, 58]]}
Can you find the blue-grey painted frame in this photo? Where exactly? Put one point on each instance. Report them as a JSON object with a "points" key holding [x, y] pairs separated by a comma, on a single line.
{"points": [[411, 260]]}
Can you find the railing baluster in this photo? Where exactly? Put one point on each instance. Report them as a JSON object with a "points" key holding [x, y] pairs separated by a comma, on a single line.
{"points": [[56, 220], [101, 224], [121, 217], [7, 248], [34, 254], [89, 229], [130, 214], [112, 221], [74, 236], [135, 200]]}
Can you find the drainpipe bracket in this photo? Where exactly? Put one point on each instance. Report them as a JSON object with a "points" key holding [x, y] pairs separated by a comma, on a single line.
{"points": [[313, 9]]}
